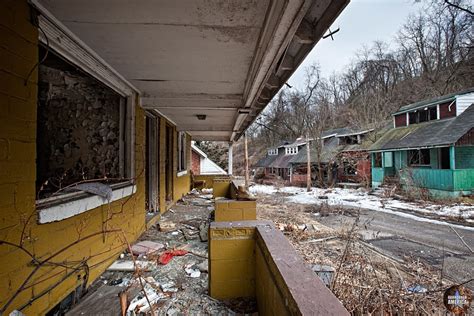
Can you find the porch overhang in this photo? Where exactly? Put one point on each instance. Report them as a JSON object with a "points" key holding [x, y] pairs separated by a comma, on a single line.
{"points": [[223, 62]]}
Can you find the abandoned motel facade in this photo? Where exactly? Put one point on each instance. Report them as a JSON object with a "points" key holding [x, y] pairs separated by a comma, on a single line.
{"points": [[430, 147], [100, 105], [341, 155]]}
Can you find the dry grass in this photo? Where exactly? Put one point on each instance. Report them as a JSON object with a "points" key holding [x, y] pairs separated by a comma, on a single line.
{"points": [[366, 281]]}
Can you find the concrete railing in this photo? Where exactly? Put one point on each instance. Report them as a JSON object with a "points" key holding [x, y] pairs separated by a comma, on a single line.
{"points": [[254, 259], [229, 206], [207, 180]]}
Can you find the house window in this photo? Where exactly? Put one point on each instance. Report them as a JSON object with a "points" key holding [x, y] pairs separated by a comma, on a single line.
{"points": [[82, 129], [423, 115], [378, 160], [350, 140], [419, 157], [273, 152], [291, 150], [181, 151]]}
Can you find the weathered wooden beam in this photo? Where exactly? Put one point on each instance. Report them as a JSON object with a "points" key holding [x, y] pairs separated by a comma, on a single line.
{"points": [[287, 63], [273, 82], [304, 33]]}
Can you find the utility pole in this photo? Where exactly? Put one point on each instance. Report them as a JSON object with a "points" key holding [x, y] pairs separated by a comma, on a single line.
{"points": [[246, 163], [308, 165]]}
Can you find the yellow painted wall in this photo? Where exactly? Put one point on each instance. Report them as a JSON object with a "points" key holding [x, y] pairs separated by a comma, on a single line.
{"points": [[81, 236], [232, 247], [181, 184], [18, 55]]}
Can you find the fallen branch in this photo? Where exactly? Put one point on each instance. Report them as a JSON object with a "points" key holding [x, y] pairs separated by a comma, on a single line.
{"points": [[462, 239]]}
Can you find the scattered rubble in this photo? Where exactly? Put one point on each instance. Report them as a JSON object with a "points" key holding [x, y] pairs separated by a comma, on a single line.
{"points": [[173, 269]]}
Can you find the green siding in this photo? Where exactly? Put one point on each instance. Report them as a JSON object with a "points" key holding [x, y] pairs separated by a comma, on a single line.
{"points": [[429, 178], [463, 179], [377, 174], [464, 157]]}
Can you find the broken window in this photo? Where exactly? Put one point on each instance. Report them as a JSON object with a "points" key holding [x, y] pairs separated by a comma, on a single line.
{"points": [[419, 157], [423, 115], [349, 169], [378, 160], [350, 140], [181, 151], [80, 128]]}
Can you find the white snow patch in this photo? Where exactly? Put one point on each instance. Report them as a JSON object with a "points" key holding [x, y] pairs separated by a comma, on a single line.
{"points": [[359, 198]]}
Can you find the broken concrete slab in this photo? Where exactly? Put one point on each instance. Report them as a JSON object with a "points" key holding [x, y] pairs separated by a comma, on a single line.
{"points": [[129, 265], [146, 247]]}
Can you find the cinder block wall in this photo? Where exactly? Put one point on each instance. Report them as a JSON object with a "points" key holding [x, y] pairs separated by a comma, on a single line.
{"points": [[254, 259], [19, 54], [232, 210]]}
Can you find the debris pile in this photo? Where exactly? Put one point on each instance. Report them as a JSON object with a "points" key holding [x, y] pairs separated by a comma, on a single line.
{"points": [[166, 272]]}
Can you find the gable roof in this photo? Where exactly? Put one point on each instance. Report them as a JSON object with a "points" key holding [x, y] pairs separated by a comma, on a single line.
{"points": [[433, 101], [427, 134], [266, 161]]}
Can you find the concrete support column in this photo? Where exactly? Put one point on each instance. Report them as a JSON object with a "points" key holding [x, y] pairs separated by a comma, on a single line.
{"points": [[230, 155], [452, 158]]}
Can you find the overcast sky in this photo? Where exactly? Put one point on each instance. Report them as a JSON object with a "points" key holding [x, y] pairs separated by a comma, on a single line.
{"points": [[361, 23]]}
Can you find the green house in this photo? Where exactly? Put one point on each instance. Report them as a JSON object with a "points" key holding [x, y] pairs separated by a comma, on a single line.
{"points": [[431, 146]]}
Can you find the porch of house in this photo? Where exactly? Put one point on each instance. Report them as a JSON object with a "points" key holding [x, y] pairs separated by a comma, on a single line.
{"points": [[113, 93], [230, 263], [447, 173]]}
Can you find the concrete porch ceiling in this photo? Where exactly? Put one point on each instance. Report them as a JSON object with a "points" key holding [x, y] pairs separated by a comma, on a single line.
{"points": [[222, 59]]}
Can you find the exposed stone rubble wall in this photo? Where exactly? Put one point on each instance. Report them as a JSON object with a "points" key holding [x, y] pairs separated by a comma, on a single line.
{"points": [[78, 128]]}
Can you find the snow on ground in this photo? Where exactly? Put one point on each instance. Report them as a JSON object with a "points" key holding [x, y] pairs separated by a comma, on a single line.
{"points": [[359, 198]]}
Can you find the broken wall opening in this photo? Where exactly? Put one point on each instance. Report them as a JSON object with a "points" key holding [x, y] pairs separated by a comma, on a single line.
{"points": [[80, 127]]}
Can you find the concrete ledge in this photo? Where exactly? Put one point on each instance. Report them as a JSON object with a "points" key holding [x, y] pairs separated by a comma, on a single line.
{"points": [[254, 259], [209, 179], [284, 280], [221, 187]]}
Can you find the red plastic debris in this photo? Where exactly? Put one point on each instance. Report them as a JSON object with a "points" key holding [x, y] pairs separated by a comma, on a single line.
{"points": [[166, 256]]}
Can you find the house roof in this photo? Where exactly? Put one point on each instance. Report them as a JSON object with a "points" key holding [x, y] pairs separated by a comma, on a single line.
{"points": [[198, 150], [437, 100], [282, 161], [427, 134], [328, 153], [266, 161], [331, 146]]}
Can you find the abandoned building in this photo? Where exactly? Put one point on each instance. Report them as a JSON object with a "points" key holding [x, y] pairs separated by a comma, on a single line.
{"points": [[343, 158], [431, 147], [340, 156], [100, 103], [264, 165]]}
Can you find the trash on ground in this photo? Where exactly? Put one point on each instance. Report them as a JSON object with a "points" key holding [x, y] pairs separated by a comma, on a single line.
{"points": [[129, 265], [166, 226], [193, 272], [416, 288], [325, 273], [203, 266], [166, 256]]}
